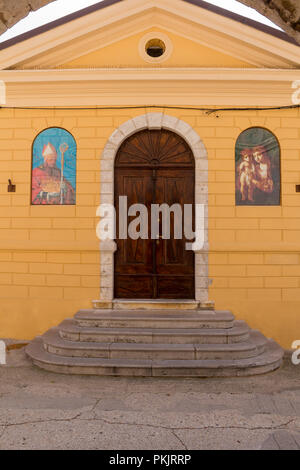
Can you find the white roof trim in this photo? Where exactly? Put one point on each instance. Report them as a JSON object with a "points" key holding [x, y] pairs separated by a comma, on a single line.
{"points": [[271, 51]]}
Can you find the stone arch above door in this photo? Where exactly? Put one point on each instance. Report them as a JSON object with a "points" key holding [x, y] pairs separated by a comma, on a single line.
{"points": [[153, 121]]}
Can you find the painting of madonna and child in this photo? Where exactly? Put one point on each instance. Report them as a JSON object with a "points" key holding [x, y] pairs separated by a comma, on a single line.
{"points": [[257, 163], [54, 168]]}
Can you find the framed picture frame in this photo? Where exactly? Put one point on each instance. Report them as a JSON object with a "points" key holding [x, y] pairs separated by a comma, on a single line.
{"points": [[54, 161], [258, 168]]}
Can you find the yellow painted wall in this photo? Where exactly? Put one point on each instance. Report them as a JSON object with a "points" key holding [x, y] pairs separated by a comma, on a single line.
{"points": [[49, 259], [186, 53]]}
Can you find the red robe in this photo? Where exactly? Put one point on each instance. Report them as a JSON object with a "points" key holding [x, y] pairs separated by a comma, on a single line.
{"points": [[46, 183]]}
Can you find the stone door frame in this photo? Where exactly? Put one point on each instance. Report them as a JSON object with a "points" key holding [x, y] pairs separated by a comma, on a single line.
{"points": [[153, 121]]}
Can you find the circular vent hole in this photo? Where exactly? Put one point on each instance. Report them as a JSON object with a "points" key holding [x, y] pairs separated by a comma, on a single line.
{"points": [[155, 48]]}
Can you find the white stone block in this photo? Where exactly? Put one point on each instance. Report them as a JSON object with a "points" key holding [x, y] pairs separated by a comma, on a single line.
{"points": [[106, 270], [200, 144], [202, 295], [108, 246], [201, 259], [202, 283], [128, 128], [154, 120], [117, 138], [202, 188], [201, 198], [106, 188], [202, 165], [102, 305], [183, 128], [206, 223], [106, 165], [202, 271], [106, 281], [106, 176], [106, 293], [109, 153], [202, 251], [202, 177], [107, 199], [140, 122], [199, 152], [193, 138], [206, 246], [106, 258], [169, 122]]}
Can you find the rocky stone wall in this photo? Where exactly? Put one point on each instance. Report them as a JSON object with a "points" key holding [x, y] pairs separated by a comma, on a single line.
{"points": [[284, 13], [12, 11]]}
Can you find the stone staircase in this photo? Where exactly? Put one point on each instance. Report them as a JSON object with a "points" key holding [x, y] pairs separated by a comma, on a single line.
{"points": [[158, 343]]}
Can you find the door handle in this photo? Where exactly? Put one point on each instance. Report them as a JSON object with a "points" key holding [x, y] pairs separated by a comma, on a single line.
{"points": [[158, 239]]}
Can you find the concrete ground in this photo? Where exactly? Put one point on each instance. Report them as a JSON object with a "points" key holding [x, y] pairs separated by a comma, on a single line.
{"points": [[41, 410]]}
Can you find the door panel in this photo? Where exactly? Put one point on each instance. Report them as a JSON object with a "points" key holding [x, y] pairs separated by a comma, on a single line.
{"points": [[134, 258], [175, 187], [175, 287], [133, 287], [154, 167]]}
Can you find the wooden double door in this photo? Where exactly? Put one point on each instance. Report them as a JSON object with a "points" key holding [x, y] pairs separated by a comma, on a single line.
{"points": [[155, 168]]}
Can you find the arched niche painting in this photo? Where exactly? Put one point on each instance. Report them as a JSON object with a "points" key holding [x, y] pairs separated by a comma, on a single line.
{"points": [[53, 179], [257, 163]]}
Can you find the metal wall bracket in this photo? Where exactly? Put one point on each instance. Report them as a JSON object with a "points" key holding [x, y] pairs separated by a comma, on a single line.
{"points": [[11, 187]]}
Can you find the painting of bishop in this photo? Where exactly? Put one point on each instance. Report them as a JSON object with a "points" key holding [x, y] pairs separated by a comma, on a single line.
{"points": [[54, 168]]}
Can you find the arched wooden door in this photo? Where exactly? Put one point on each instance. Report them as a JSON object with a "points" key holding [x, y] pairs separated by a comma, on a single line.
{"points": [[154, 167]]}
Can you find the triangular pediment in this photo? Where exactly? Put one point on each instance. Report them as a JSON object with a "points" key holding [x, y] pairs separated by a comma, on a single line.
{"points": [[109, 37], [185, 53]]}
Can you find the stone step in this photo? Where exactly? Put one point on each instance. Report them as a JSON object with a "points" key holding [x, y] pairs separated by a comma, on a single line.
{"points": [[69, 330], [171, 319], [54, 344], [270, 360], [158, 304]]}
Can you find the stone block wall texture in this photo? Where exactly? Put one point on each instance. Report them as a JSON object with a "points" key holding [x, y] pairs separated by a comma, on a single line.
{"points": [[12, 11], [284, 13], [49, 256]]}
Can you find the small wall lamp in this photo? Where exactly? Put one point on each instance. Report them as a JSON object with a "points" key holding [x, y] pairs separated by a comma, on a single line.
{"points": [[11, 187]]}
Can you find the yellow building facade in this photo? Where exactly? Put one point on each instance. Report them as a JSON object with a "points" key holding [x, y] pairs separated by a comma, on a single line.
{"points": [[92, 77]]}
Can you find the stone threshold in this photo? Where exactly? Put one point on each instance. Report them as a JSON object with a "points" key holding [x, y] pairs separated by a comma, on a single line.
{"points": [[154, 304]]}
